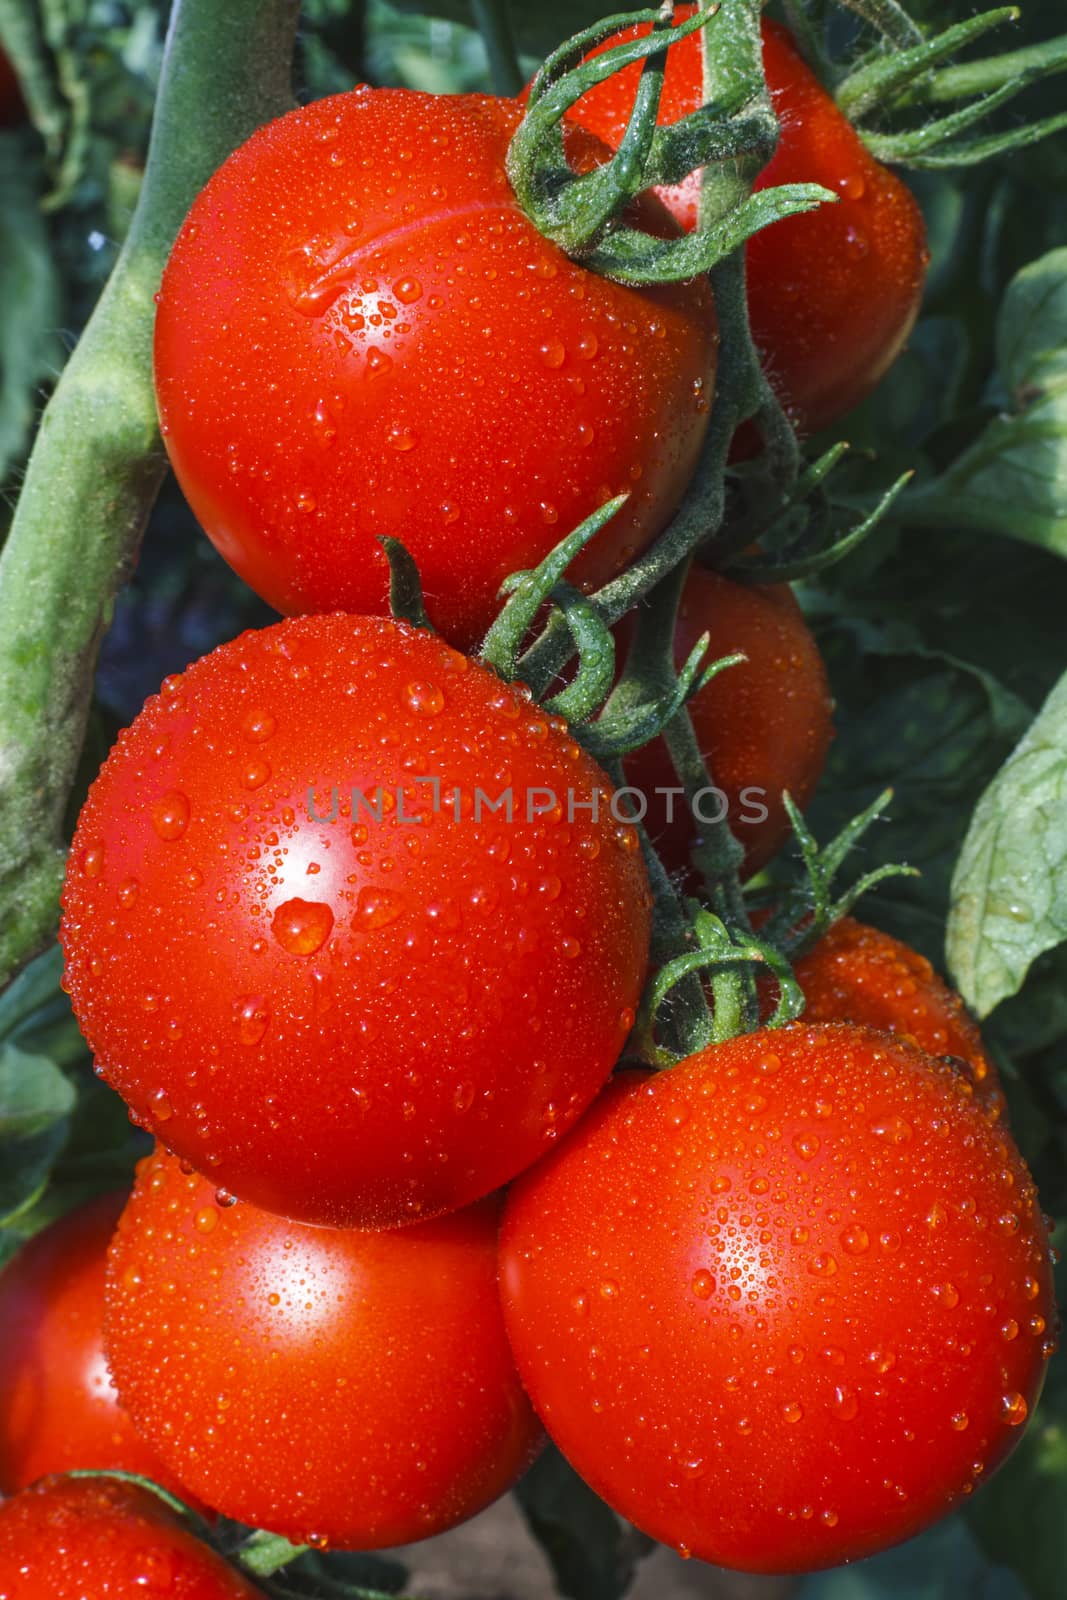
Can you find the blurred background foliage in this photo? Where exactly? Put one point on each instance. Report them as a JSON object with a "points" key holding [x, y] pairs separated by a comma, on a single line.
{"points": [[943, 637]]}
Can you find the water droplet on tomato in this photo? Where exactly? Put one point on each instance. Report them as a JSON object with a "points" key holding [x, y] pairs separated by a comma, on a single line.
{"points": [[407, 290], [160, 1106], [792, 1411], [170, 815], [806, 1145], [251, 1014], [400, 438], [255, 774], [703, 1284], [302, 926], [553, 353], [844, 1405], [947, 1295], [959, 1421], [1014, 1409], [425, 698], [225, 1199], [377, 908], [258, 726], [852, 185], [206, 1219], [1009, 1330], [128, 893]]}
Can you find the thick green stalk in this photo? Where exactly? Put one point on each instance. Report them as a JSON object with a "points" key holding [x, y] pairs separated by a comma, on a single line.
{"points": [[97, 464]]}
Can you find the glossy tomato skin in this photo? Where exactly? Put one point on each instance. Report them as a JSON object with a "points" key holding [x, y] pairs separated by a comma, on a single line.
{"points": [[764, 725], [833, 294], [356, 1008], [342, 1388], [857, 973], [786, 1304], [72, 1538], [58, 1409], [361, 334]]}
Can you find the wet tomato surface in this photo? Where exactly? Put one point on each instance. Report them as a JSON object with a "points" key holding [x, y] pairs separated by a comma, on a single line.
{"points": [[763, 726], [314, 961], [360, 333], [785, 1304], [58, 1409], [833, 294], [339, 1387], [98, 1539]]}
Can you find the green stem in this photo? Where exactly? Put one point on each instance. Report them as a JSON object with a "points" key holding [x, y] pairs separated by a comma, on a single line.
{"points": [[97, 464], [981, 77], [492, 18]]}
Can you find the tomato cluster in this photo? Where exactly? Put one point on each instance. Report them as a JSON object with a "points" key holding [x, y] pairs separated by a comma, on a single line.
{"points": [[359, 932]]}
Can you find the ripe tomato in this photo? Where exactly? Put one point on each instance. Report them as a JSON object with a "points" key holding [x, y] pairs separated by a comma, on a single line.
{"points": [[858, 974], [71, 1538], [360, 334], [832, 294], [338, 1387], [58, 1409], [785, 1304], [354, 1009], [764, 725]]}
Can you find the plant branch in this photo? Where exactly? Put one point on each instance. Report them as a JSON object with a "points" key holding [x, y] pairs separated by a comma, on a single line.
{"points": [[97, 464]]}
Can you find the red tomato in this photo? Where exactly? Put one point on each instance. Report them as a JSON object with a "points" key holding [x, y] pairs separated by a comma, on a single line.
{"points": [[360, 334], [341, 1388], [98, 1539], [763, 726], [859, 974], [833, 294], [58, 1409], [364, 1010], [785, 1304]]}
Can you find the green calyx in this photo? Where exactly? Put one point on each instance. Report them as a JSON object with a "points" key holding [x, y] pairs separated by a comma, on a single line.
{"points": [[734, 132], [891, 91]]}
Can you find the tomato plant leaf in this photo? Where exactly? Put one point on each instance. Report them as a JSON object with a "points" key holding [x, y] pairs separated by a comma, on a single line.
{"points": [[593, 1554], [35, 1103], [29, 294], [1009, 889], [1013, 478]]}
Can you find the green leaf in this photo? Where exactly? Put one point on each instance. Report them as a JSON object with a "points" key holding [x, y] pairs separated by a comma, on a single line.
{"points": [[1009, 889], [932, 728], [35, 1103], [30, 350], [593, 1555], [1013, 479]]}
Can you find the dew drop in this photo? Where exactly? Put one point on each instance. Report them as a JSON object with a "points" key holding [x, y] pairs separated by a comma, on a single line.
{"points": [[806, 1145], [160, 1106], [792, 1411], [258, 726], [251, 1015], [128, 893], [425, 698], [552, 353], [703, 1284], [960, 1421], [376, 908], [407, 290], [855, 1240], [947, 1294], [206, 1220], [225, 1199], [170, 815], [1013, 1409], [844, 1404], [302, 926], [1009, 1330], [401, 439]]}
